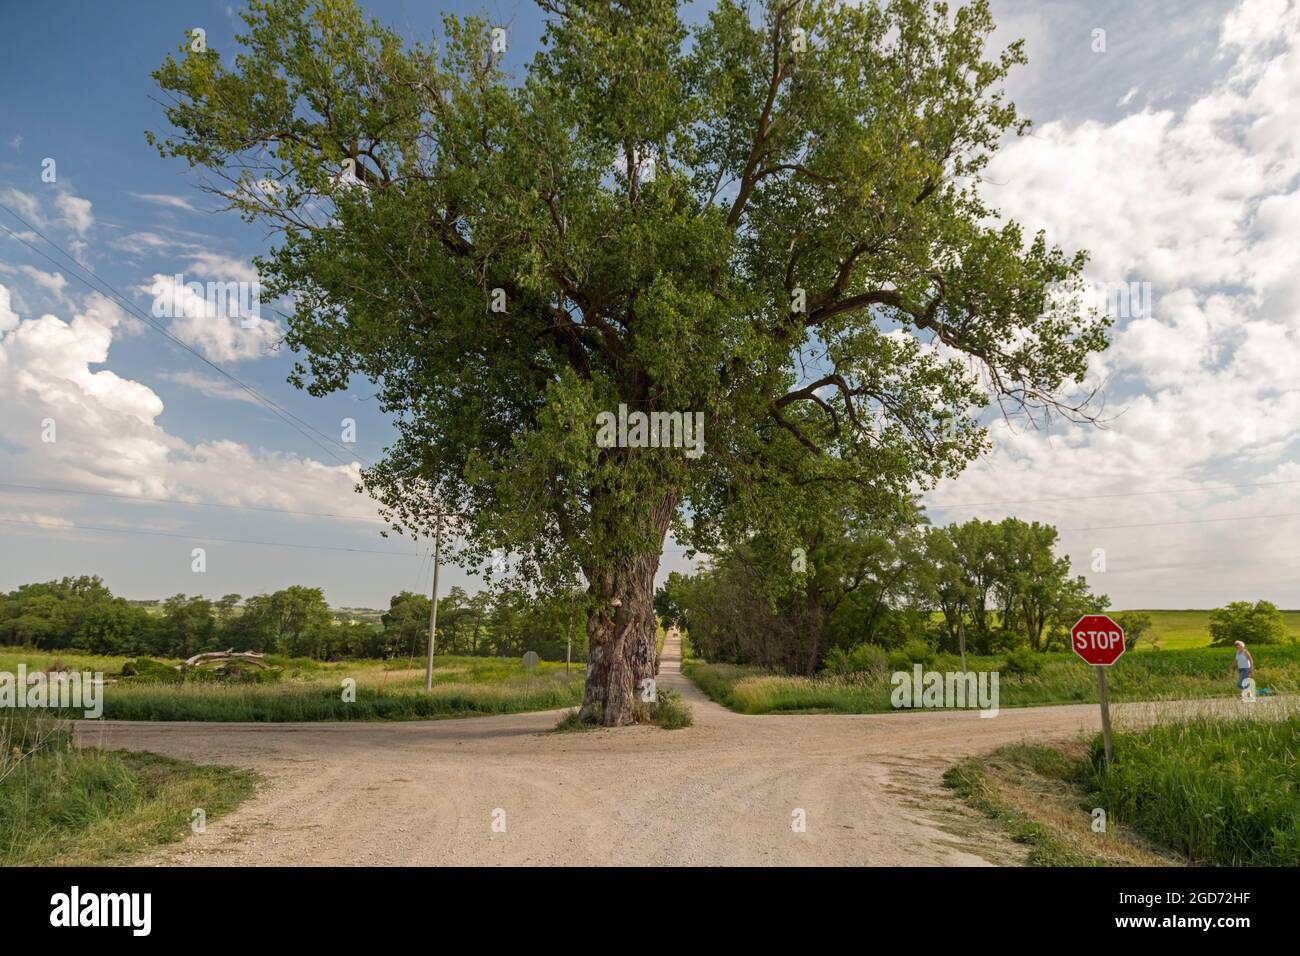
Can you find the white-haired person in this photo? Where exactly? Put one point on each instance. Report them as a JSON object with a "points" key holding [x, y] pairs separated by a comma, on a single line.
{"points": [[1245, 666]]}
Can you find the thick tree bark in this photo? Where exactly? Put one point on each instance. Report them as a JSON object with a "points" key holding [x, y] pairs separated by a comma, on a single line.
{"points": [[621, 631]]}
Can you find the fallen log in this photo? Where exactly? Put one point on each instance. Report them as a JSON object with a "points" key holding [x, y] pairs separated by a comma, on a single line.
{"points": [[221, 657]]}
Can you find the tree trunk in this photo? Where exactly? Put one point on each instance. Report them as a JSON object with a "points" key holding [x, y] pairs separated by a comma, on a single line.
{"points": [[621, 631]]}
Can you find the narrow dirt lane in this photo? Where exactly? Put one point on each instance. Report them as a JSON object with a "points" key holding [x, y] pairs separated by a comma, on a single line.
{"points": [[725, 791]]}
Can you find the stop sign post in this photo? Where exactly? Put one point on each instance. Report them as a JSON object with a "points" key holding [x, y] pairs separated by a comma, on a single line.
{"points": [[1099, 641]]}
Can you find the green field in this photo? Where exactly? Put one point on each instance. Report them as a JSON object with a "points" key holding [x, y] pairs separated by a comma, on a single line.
{"points": [[1063, 679], [1175, 630], [311, 690]]}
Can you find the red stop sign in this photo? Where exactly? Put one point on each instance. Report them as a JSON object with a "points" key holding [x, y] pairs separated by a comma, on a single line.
{"points": [[1097, 639]]}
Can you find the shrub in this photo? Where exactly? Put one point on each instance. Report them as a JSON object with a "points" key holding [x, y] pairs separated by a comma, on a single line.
{"points": [[1021, 663], [670, 712], [948, 663], [146, 670], [1135, 625], [1258, 623], [898, 626], [571, 723], [1003, 640], [858, 659], [836, 661], [913, 652]]}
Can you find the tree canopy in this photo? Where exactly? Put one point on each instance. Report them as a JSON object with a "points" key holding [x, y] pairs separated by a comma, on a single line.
{"points": [[1258, 623], [772, 221], [993, 586]]}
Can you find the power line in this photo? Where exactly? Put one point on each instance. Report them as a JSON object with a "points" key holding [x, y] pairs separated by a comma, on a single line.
{"points": [[1146, 524], [415, 554], [1118, 494], [299, 425], [1169, 524], [45, 489], [204, 537], [282, 413], [267, 403], [199, 504]]}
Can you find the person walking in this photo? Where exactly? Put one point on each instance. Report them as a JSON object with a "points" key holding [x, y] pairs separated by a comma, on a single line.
{"points": [[1245, 667]]}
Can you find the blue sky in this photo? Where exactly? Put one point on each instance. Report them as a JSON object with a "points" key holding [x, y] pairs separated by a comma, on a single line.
{"points": [[1170, 152]]}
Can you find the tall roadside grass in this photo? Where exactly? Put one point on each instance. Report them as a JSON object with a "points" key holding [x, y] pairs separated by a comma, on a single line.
{"points": [[1224, 792], [26, 734], [301, 689], [1041, 798], [670, 711], [1210, 789], [60, 804], [316, 701], [1061, 679], [447, 668]]}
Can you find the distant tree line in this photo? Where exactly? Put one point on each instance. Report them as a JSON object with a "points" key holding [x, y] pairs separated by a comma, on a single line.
{"points": [[82, 614], [981, 586]]}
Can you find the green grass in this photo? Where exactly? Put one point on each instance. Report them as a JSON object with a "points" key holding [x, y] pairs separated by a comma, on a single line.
{"points": [[321, 701], [447, 668], [1041, 798], [61, 805], [1222, 792], [571, 723], [671, 712], [11, 657], [311, 690], [979, 781], [1064, 679], [1205, 790], [668, 712], [1180, 630]]}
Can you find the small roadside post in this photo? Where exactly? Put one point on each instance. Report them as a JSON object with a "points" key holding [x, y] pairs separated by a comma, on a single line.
{"points": [[1100, 641]]}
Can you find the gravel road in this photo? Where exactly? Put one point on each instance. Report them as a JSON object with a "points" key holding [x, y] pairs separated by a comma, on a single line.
{"points": [[502, 790]]}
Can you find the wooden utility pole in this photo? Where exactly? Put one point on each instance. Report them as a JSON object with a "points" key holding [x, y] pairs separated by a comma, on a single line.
{"points": [[568, 648], [433, 609]]}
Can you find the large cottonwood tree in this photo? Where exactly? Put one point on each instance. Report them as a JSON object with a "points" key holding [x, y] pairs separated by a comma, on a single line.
{"points": [[769, 217]]}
